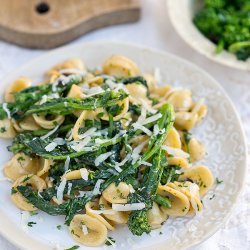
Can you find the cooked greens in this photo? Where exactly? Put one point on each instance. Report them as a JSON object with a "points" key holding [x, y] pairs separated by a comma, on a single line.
{"points": [[227, 24]]}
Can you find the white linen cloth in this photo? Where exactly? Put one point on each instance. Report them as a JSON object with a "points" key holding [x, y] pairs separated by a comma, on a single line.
{"points": [[154, 30]]}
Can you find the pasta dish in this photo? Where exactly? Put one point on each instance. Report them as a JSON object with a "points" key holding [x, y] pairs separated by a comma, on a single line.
{"points": [[104, 147]]}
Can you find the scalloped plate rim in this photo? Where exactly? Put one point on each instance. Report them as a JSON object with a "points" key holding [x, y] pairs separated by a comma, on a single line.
{"points": [[164, 54]]}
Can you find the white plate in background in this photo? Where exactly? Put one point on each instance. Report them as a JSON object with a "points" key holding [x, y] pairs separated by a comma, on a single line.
{"points": [[221, 132]]}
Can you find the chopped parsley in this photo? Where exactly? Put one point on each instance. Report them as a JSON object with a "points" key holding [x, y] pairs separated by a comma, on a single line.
{"points": [[218, 181], [13, 191], [110, 241], [2, 129], [31, 223], [72, 248], [212, 197], [59, 227], [32, 213], [27, 178]]}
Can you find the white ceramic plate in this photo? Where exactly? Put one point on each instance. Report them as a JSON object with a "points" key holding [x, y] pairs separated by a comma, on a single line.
{"points": [[181, 13], [221, 132]]}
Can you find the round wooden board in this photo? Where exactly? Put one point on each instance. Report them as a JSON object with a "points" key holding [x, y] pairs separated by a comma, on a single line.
{"points": [[50, 23]]}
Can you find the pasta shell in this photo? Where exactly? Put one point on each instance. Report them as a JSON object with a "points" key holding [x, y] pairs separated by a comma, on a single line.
{"points": [[48, 123], [94, 205], [96, 232], [17, 86], [196, 150], [179, 202], [120, 66], [116, 217], [19, 165], [200, 175], [162, 92], [181, 100], [124, 104], [156, 216], [85, 115], [117, 194], [29, 124], [7, 130], [36, 182], [151, 82], [173, 139], [178, 161], [185, 120], [45, 165], [73, 63], [73, 175], [75, 92], [191, 190]]}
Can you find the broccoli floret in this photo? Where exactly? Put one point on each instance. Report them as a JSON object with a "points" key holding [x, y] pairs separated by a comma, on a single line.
{"points": [[138, 222], [225, 23]]}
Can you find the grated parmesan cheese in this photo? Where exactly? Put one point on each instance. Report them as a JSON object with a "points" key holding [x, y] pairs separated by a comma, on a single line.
{"points": [[79, 145], [66, 164], [145, 163], [69, 188], [84, 229], [89, 132], [104, 211], [51, 146], [198, 105], [175, 151], [102, 158], [94, 91], [96, 189], [7, 111], [137, 150], [137, 125], [84, 174], [152, 119], [128, 207], [50, 133], [194, 189], [60, 190]]}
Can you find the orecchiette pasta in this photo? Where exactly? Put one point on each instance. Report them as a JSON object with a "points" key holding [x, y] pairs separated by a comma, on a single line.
{"points": [[93, 234], [50, 122], [120, 66], [90, 210], [156, 216], [200, 175], [36, 182], [44, 166], [117, 194], [191, 190], [28, 124], [179, 202], [7, 129], [181, 100], [196, 150], [104, 148], [116, 217], [18, 85], [19, 165], [173, 139], [85, 115]]}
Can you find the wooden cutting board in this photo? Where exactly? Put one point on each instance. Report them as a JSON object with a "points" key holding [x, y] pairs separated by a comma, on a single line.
{"points": [[50, 23]]}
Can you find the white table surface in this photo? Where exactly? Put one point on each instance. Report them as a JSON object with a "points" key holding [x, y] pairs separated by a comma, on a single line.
{"points": [[154, 30]]}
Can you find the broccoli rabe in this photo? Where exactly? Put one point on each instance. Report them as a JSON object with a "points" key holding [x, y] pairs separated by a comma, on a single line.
{"points": [[227, 24]]}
